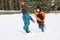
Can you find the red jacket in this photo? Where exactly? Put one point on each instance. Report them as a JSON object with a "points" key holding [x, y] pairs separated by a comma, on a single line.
{"points": [[37, 18]]}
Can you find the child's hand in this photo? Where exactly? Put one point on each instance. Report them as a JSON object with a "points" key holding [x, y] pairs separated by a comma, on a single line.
{"points": [[33, 21]]}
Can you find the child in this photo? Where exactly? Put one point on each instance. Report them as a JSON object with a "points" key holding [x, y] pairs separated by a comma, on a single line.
{"points": [[26, 19], [40, 17]]}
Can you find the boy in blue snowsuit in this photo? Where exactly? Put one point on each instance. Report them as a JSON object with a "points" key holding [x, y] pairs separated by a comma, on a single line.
{"points": [[26, 19]]}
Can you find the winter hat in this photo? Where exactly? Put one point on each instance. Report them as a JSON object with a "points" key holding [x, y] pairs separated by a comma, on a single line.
{"points": [[38, 7]]}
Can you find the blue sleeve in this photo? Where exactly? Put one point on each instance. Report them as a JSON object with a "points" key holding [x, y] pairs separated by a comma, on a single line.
{"points": [[29, 17]]}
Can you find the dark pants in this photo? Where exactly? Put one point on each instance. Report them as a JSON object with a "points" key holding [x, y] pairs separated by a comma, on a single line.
{"points": [[41, 26]]}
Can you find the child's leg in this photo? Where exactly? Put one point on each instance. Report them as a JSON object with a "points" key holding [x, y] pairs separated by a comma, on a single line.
{"points": [[26, 26], [42, 27], [39, 24]]}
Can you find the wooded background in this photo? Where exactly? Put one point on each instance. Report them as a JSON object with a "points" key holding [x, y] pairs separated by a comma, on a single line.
{"points": [[30, 5]]}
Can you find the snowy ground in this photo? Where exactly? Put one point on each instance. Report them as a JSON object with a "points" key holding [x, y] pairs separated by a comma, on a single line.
{"points": [[11, 28]]}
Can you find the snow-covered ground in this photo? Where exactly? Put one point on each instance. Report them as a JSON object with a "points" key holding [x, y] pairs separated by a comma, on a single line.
{"points": [[11, 28]]}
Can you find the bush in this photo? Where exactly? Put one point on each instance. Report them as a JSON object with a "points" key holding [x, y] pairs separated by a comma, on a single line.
{"points": [[30, 5]]}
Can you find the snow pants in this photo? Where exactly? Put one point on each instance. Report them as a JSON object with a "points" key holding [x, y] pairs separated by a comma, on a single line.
{"points": [[26, 25], [41, 26]]}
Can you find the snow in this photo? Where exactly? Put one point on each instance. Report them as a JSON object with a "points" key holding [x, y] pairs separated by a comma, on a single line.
{"points": [[11, 28]]}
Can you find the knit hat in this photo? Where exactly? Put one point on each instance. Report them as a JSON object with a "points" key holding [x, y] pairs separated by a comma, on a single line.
{"points": [[38, 7]]}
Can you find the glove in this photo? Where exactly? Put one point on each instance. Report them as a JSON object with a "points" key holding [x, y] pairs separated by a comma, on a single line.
{"points": [[33, 21]]}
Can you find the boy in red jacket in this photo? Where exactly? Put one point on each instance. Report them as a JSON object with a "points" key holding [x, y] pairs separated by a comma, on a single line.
{"points": [[40, 17]]}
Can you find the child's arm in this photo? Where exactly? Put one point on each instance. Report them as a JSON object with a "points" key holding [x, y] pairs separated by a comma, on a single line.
{"points": [[30, 18], [38, 19], [43, 14]]}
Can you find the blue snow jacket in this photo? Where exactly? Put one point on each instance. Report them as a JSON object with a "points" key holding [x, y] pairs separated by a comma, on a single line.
{"points": [[26, 17]]}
